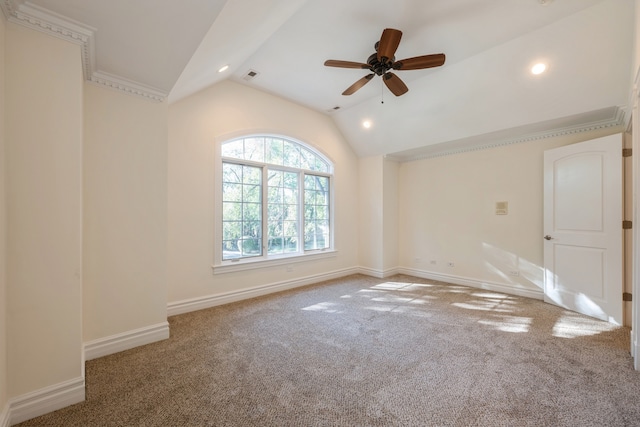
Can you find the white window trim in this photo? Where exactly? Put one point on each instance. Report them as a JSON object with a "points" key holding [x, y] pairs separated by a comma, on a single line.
{"points": [[249, 263]]}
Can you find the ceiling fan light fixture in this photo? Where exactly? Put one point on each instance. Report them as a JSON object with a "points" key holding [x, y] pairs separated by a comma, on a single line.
{"points": [[539, 68]]}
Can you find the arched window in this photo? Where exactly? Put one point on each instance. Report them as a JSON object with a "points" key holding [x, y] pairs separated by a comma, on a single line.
{"points": [[276, 199]]}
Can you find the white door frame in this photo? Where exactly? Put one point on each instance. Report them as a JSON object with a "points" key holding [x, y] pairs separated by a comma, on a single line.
{"points": [[635, 303]]}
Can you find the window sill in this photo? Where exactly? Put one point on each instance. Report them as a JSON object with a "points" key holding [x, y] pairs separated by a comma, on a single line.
{"points": [[252, 264]]}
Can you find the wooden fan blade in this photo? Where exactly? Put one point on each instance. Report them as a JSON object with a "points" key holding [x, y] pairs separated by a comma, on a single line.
{"points": [[357, 85], [420, 62], [395, 84], [389, 42], [345, 64]]}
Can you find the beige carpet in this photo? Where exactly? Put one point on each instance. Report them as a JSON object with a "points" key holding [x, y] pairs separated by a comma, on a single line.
{"points": [[369, 352]]}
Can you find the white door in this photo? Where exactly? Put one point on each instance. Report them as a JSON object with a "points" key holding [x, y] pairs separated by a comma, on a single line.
{"points": [[583, 227]]}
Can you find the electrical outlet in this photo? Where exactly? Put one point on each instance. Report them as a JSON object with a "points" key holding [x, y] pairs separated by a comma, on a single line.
{"points": [[450, 264], [433, 262], [289, 268], [417, 260], [514, 273]]}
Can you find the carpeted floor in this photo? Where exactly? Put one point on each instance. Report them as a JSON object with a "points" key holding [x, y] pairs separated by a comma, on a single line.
{"points": [[361, 351]]}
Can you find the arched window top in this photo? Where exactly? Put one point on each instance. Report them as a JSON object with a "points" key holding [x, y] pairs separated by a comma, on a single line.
{"points": [[276, 150]]}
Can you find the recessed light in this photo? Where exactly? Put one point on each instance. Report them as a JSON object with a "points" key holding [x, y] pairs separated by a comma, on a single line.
{"points": [[366, 124], [539, 68], [223, 69]]}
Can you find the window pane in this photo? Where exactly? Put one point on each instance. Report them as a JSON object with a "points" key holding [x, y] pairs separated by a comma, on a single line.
{"points": [[291, 244], [249, 246], [232, 211], [321, 198], [234, 149], [290, 180], [274, 151], [316, 212], [322, 212], [252, 193], [275, 212], [251, 175], [290, 196], [316, 238], [322, 183], [307, 159], [291, 154], [241, 211], [254, 149], [309, 197], [275, 239], [283, 203], [290, 212], [321, 166], [276, 245], [231, 172], [275, 195], [290, 228], [231, 230], [309, 182], [275, 178], [251, 229], [232, 192], [252, 212]]}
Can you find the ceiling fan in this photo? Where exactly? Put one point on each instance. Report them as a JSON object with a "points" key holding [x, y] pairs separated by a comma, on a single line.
{"points": [[383, 61]]}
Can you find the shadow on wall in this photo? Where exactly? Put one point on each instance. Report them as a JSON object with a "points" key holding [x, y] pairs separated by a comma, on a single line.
{"points": [[512, 268], [506, 264]]}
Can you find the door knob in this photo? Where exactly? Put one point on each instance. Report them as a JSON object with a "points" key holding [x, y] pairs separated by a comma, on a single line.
{"points": [[547, 237]]}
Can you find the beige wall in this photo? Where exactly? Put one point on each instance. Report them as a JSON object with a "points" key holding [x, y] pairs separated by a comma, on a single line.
{"points": [[448, 213], [390, 212], [44, 217], [371, 221], [125, 212], [3, 208], [378, 199], [222, 111]]}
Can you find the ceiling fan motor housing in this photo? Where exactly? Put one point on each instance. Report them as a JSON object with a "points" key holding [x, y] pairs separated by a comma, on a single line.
{"points": [[379, 67]]}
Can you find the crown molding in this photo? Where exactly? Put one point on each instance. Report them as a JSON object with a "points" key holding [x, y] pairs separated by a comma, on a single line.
{"points": [[613, 118], [127, 86], [46, 21]]}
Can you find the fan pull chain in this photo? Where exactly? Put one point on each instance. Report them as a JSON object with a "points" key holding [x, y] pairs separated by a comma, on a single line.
{"points": [[382, 91]]}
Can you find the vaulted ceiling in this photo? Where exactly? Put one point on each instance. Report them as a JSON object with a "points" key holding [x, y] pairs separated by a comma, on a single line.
{"points": [[483, 95]]}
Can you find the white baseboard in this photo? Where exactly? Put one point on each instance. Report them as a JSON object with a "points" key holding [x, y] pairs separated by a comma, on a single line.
{"points": [[126, 340], [4, 416], [380, 274], [193, 304], [45, 400], [474, 283]]}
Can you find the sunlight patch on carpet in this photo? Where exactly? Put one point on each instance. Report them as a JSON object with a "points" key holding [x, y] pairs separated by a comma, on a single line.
{"points": [[327, 307], [573, 325], [509, 324], [482, 306]]}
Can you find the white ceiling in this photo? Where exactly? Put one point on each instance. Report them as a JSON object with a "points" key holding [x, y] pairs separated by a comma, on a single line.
{"points": [[484, 93]]}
